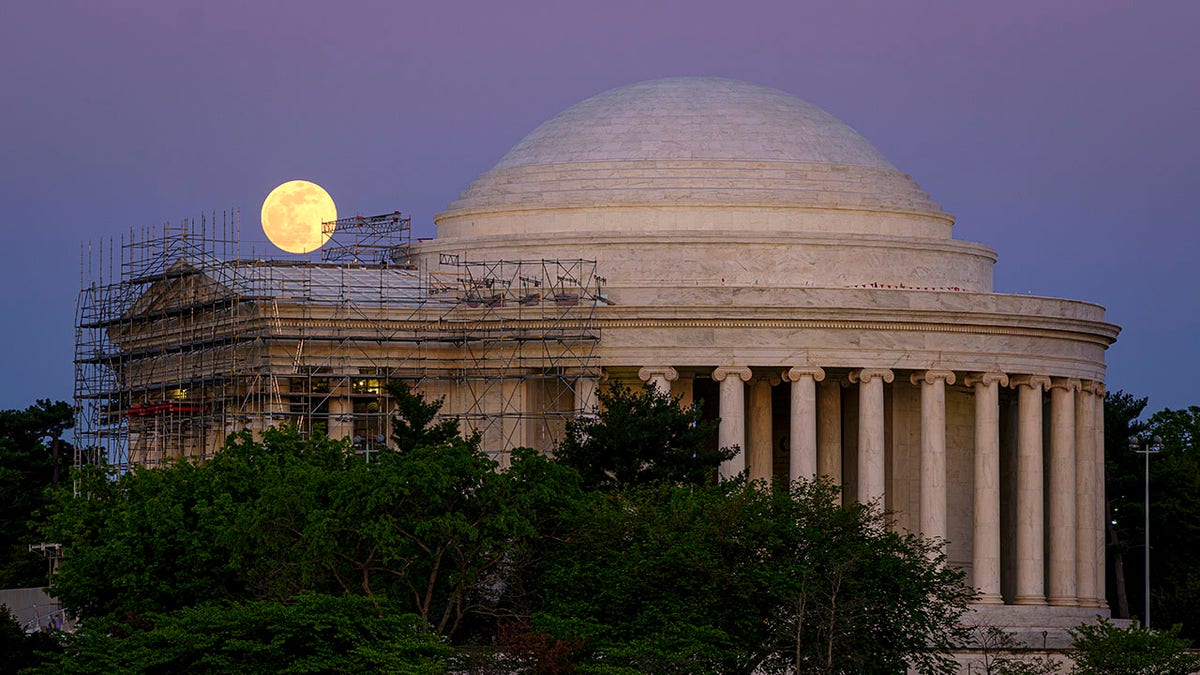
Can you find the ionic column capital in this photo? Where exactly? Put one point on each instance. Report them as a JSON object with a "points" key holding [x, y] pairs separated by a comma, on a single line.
{"points": [[865, 375], [1100, 390], [795, 373], [741, 372], [987, 379], [1068, 384], [666, 372], [766, 378], [1087, 386], [932, 376], [1032, 381]]}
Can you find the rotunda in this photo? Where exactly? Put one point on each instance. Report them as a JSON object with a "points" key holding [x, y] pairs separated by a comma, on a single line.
{"points": [[764, 257]]}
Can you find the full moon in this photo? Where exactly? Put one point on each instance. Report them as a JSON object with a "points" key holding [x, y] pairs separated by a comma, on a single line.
{"points": [[292, 215]]}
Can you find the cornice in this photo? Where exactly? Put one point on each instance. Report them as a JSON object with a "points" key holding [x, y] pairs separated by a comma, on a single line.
{"points": [[1094, 336]]}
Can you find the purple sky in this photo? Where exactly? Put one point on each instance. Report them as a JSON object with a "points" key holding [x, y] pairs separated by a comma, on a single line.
{"points": [[1065, 134]]}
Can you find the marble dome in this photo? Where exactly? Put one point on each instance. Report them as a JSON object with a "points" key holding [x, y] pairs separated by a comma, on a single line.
{"points": [[685, 118], [661, 181], [699, 141]]}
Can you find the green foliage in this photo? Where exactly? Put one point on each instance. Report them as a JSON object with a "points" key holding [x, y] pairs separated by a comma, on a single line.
{"points": [[1175, 520], [204, 568], [20, 649], [435, 528], [159, 539], [412, 426], [1123, 471], [641, 437], [312, 634], [733, 578], [1107, 648], [1174, 512], [32, 456]]}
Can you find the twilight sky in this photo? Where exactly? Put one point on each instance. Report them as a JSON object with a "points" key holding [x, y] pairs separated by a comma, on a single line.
{"points": [[1064, 134]]}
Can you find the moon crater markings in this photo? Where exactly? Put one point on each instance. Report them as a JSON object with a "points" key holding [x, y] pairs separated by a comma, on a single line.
{"points": [[292, 215]]}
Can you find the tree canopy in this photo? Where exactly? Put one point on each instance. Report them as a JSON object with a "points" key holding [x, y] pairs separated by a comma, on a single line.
{"points": [[1174, 511], [1132, 650], [641, 437], [33, 457], [735, 577], [641, 564]]}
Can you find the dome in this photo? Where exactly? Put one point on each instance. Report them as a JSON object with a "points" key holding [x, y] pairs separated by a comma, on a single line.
{"points": [[696, 142], [694, 118]]}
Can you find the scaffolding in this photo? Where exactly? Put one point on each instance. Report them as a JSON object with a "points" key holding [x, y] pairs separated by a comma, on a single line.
{"points": [[181, 340]]}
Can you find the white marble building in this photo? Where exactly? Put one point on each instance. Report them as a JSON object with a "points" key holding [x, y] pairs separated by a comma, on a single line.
{"points": [[763, 256]]}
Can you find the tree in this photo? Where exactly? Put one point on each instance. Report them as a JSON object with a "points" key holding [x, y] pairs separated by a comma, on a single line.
{"points": [[641, 437], [272, 519], [309, 634], [23, 650], [1174, 513], [151, 540], [1123, 493], [1109, 649], [1175, 519], [436, 529], [32, 454], [413, 424], [730, 578]]}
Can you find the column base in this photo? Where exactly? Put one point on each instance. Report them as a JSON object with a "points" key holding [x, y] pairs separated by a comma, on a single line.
{"points": [[1032, 600], [1063, 602], [988, 600]]}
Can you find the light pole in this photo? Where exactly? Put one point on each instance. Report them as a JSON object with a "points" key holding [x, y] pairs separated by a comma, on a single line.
{"points": [[1155, 445]]}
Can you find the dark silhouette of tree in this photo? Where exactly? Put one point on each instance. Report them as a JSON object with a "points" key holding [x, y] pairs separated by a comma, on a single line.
{"points": [[32, 454], [413, 424], [641, 437]]}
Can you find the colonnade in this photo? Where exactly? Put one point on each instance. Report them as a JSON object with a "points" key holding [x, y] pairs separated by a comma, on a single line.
{"points": [[1057, 533]]}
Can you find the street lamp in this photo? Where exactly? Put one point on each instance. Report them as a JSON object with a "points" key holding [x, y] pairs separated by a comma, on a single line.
{"points": [[1155, 445]]}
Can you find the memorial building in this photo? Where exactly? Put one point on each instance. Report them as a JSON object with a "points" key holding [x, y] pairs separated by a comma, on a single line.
{"points": [[718, 240]]}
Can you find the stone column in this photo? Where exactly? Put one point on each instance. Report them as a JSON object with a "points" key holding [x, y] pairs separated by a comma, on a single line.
{"points": [[659, 377], [1031, 582], [933, 449], [732, 431], [341, 416], [1085, 495], [986, 521], [586, 400], [760, 456], [1101, 503], [829, 431], [802, 429], [1061, 585], [684, 388], [871, 452]]}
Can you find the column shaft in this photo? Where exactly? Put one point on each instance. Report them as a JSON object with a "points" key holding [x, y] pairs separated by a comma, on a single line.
{"points": [[1085, 495], [802, 431], [732, 431], [760, 457], [1101, 502], [341, 416], [1061, 585], [1031, 587], [585, 396], [986, 519], [829, 430], [871, 451], [933, 450]]}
